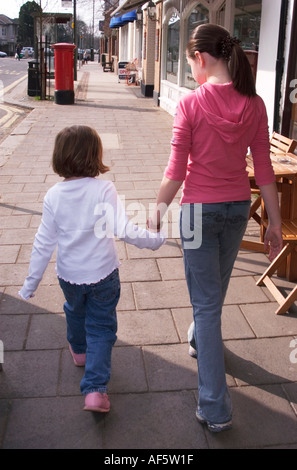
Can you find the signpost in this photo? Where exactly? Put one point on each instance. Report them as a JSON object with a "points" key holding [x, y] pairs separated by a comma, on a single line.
{"points": [[122, 72]]}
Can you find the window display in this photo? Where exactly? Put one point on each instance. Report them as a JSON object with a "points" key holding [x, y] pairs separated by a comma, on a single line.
{"points": [[172, 48], [199, 15]]}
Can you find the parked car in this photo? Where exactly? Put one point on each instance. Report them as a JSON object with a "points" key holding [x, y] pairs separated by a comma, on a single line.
{"points": [[3, 54], [30, 51]]}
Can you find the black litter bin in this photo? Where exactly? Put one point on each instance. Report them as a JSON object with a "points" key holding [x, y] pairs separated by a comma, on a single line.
{"points": [[34, 82]]}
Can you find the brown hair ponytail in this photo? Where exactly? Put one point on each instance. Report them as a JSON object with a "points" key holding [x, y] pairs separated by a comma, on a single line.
{"points": [[241, 72], [216, 41]]}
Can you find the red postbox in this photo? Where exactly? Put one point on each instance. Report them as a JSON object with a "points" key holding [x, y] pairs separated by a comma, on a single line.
{"points": [[64, 73]]}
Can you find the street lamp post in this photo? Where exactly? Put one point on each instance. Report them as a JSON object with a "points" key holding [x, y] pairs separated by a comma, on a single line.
{"points": [[41, 60], [75, 40], [93, 25]]}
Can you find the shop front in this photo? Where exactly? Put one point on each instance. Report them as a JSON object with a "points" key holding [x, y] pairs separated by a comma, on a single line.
{"points": [[158, 39], [241, 17], [289, 112]]}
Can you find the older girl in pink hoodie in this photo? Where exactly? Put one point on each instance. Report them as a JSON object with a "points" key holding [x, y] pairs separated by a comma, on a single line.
{"points": [[213, 128]]}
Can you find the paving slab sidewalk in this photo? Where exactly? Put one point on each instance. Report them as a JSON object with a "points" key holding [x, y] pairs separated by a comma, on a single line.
{"points": [[154, 380]]}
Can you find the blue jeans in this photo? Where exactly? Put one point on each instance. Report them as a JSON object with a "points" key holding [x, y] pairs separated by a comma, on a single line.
{"points": [[91, 327], [208, 269]]}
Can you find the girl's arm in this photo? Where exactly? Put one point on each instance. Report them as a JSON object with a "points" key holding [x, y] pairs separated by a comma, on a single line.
{"points": [[166, 194], [176, 170], [264, 175], [273, 239]]}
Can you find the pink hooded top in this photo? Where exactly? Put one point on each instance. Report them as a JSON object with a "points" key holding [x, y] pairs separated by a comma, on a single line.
{"points": [[213, 127]]}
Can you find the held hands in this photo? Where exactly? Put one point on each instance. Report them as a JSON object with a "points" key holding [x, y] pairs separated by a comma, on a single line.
{"points": [[273, 241], [154, 227]]}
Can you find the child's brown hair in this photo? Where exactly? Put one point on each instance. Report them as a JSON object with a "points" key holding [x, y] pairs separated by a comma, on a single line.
{"points": [[78, 152]]}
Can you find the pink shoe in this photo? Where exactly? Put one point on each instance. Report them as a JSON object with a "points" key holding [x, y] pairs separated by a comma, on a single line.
{"points": [[96, 401], [78, 359]]}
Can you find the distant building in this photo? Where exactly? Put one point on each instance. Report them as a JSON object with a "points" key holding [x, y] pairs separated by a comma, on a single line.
{"points": [[8, 34]]}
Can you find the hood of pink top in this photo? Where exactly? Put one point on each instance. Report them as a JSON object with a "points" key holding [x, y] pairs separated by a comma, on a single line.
{"points": [[225, 109]]}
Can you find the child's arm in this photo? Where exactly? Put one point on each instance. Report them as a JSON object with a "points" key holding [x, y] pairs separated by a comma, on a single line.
{"points": [[135, 235], [43, 247], [125, 230]]}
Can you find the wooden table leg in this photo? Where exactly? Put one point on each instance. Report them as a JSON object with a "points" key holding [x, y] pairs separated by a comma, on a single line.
{"points": [[285, 204], [291, 266]]}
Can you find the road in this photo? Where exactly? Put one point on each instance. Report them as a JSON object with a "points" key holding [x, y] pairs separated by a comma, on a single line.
{"points": [[12, 72]]}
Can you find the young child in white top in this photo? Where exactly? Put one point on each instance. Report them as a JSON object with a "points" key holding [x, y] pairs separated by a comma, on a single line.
{"points": [[81, 217]]}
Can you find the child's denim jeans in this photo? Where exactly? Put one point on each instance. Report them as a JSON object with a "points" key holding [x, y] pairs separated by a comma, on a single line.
{"points": [[91, 327]]}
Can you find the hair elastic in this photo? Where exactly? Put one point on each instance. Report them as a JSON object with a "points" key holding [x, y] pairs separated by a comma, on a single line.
{"points": [[227, 45]]}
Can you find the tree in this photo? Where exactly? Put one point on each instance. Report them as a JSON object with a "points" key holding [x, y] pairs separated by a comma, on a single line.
{"points": [[26, 23]]}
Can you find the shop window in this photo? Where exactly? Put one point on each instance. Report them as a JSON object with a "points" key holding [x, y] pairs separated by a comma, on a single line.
{"points": [[157, 45], [293, 100], [221, 15], [247, 22], [199, 15], [289, 101], [124, 43], [172, 48]]}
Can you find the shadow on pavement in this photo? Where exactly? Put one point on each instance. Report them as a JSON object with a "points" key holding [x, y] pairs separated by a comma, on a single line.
{"points": [[153, 398]]}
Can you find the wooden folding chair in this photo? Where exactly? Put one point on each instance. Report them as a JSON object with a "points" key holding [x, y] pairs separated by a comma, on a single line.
{"points": [[280, 144], [284, 302], [255, 206]]}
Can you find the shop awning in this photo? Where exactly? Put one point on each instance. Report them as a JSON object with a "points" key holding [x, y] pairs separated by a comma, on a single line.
{"points": [[127, 6], [130, 17], [118, 21]]}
